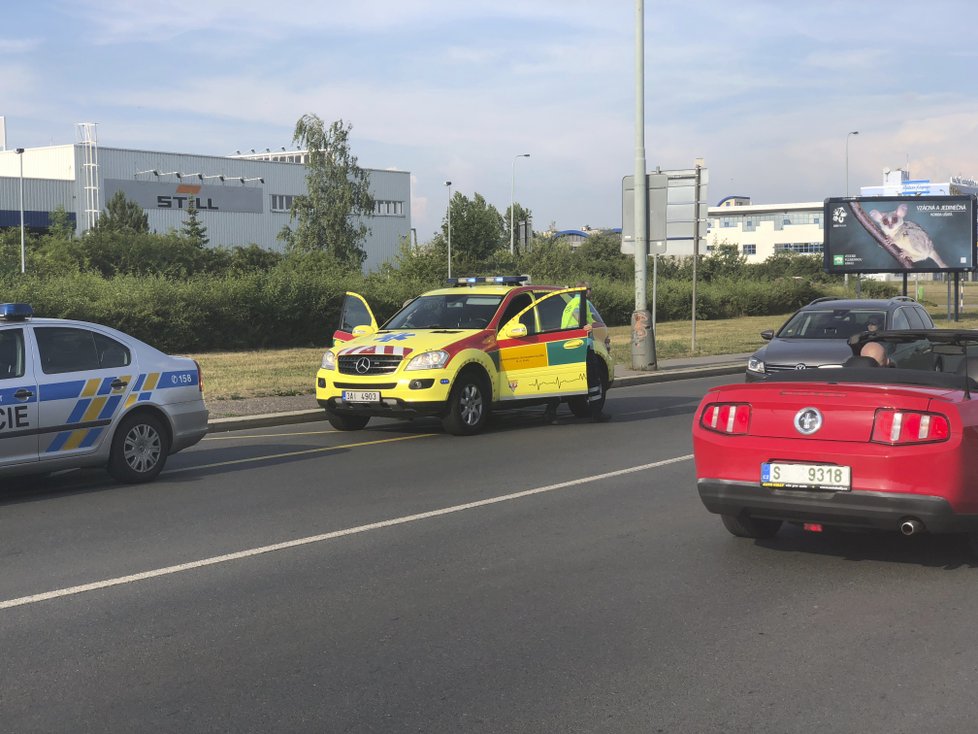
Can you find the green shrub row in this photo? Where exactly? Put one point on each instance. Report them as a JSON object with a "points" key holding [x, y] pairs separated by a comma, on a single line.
{"points": [[292, 308]]}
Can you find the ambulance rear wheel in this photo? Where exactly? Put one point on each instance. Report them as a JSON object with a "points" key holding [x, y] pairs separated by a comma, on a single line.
{"points": [[346, 421], [591, 405], [139, 449]]}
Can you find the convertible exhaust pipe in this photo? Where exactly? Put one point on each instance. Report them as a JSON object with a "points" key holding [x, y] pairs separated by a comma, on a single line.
{"points": [[911, 526]]}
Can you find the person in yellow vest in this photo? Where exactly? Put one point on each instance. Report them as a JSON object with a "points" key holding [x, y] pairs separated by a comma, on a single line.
{"points": [[570, 319]]}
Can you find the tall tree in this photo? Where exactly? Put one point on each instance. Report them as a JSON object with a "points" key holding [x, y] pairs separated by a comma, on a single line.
{"points": [[122, 214], [328, 216], [192, 228], [477, 227]]}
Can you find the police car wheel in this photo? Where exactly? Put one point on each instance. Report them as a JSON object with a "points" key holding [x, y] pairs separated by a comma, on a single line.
{"points": [[346, 422], [468, 406], [139, 449], [591, 405]]}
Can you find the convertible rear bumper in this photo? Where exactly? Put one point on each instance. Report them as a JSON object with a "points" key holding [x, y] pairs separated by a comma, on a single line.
{"points": [[856, 509]]}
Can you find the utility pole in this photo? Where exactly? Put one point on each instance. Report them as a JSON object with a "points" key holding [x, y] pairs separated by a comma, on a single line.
{"points": [[643, 331]]}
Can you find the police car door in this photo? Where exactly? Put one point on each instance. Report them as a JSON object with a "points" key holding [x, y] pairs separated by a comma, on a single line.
{"points": [[354, 312], [18, 399], [83, 375], [539, 356]]}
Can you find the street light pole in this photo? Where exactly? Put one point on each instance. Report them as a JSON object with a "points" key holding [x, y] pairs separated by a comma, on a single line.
{"points": [[449, 185], [854, 132], [512, 204], [23, 249]]}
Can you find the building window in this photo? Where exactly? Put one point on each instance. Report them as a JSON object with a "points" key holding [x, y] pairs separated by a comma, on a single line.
{"points": [[804, 248], [282, 202], [749, 249], [383, 208]]}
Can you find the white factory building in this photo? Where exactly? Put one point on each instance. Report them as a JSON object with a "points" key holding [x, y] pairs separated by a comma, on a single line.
{"points": [[241, 199]]}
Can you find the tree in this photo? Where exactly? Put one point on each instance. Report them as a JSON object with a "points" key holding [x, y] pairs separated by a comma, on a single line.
{"points": [[327, 216], [121, 214], [192, 228], [477, 228]]}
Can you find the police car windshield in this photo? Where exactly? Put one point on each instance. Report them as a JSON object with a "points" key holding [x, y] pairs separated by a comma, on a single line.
{"points": [[452, 311]]}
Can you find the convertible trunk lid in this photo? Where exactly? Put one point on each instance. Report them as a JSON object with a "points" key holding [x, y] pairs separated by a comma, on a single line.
{"points": [[847, 411]]}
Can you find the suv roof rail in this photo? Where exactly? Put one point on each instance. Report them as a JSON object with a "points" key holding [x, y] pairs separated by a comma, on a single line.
{"points": [[825, 298], [902, 298]]}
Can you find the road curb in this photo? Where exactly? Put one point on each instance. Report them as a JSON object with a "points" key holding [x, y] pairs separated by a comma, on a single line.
{"points": [[237, 423]]}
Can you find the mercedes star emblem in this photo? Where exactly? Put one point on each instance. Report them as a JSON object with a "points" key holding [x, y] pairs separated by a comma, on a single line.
{"points": [[362, 365]]}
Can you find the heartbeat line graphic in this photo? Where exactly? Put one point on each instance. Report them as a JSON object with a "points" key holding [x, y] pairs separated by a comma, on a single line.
{"points": [[557, 382]]}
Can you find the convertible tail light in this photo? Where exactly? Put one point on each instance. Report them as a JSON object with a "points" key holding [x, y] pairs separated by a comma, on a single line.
{"points": [[894, 427], [733, 418]]}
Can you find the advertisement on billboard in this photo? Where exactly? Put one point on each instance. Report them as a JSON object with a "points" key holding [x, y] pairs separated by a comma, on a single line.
{"points": [[899, 234]]}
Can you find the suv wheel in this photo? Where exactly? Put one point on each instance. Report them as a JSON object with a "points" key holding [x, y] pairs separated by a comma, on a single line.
{"points": [[468, 405], [591, 405]]}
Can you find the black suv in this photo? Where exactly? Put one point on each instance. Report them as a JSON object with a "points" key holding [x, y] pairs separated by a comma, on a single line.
{"points": [[817, 334]]}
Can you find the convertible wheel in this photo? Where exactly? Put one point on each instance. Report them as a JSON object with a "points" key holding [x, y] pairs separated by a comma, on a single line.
{"points": [[346, 422], [591, 405], [468, 406], [749, 527], [139, 449]]}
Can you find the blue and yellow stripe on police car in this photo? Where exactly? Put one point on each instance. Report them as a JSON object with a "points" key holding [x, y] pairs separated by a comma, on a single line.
{"points": [[96, 402], [143, 389]]}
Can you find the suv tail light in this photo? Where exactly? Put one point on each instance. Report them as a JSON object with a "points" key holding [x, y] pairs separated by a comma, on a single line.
{"points": [[894, 427], [733, 418]]}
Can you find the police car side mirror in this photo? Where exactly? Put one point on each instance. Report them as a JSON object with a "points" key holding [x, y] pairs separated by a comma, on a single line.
{"points": [[515, 331], [363, 330]]}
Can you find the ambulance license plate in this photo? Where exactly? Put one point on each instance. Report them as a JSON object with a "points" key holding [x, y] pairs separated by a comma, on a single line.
{"points": [[361, 396]]}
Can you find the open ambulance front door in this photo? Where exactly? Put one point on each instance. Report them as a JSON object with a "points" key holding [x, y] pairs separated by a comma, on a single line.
{"points": [[543, 354], [355, 314]]}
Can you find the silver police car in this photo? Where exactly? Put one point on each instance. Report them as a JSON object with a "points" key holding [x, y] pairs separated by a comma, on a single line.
{"points": [[75, 394]]}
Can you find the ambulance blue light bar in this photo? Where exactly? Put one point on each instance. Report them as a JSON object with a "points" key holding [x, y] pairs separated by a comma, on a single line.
{"points": [[15, 311], [490, 280]]}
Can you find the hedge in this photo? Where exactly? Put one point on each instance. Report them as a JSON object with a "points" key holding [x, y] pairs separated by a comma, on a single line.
{"points": [[286, 307]]}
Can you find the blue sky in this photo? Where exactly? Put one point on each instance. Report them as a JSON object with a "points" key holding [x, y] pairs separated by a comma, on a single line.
{"points": [[764, 91]]}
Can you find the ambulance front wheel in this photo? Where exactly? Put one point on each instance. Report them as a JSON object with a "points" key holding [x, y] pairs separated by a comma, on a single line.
{"points": [[346, 421]]}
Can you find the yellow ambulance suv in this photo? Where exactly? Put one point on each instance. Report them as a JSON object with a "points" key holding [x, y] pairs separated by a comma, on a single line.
{"points": [[479, 345]]}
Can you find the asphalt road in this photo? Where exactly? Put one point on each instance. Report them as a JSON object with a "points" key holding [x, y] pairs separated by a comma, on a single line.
{"points": [[536, 578]]}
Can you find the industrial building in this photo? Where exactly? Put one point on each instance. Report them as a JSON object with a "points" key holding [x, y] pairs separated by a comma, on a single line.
{"points": [[240, 199]]}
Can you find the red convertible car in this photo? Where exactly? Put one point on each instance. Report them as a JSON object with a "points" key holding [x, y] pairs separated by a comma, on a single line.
{"points": [[861, 446]]}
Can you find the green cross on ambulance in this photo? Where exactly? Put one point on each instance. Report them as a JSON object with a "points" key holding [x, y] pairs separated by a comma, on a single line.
{"points": [[458, 353], [75, 394]]}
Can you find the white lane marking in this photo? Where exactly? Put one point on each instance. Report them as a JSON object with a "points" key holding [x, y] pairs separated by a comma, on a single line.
{"points": [[288, 454], [214, 560]]}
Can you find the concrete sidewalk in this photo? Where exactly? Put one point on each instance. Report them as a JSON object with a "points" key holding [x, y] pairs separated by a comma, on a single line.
{"points": [[274, 411]]}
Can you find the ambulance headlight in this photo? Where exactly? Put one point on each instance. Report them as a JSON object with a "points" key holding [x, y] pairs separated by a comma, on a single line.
{"points": [[429, 361], [329, 360]]}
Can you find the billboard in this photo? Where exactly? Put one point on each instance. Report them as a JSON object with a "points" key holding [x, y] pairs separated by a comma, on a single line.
{"points": [[899, 234]]}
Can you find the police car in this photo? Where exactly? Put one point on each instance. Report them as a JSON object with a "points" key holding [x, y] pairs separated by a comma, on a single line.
{"points": [[75, 394], [481, 344]]}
